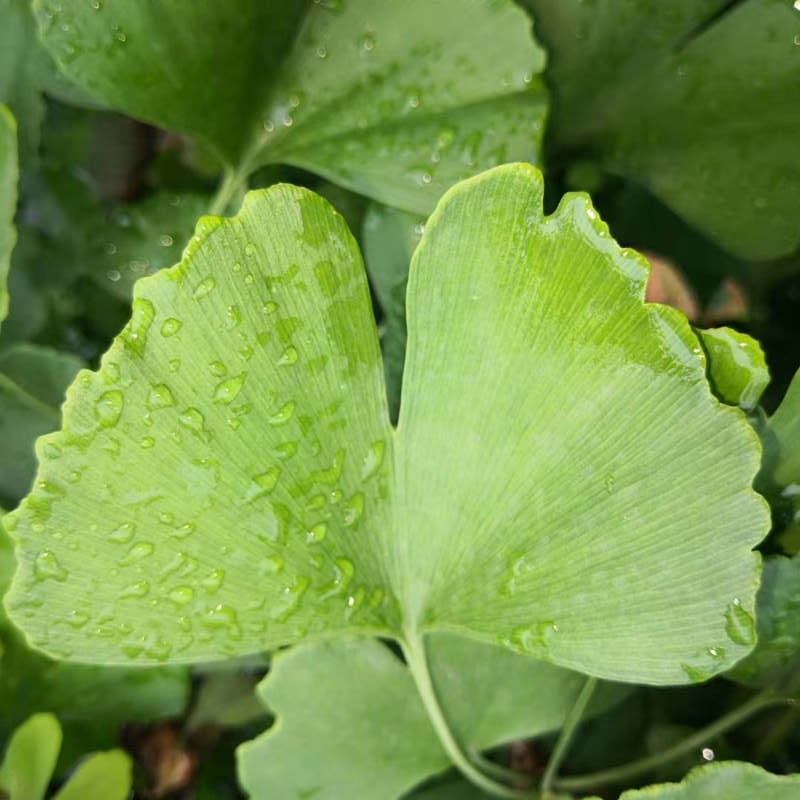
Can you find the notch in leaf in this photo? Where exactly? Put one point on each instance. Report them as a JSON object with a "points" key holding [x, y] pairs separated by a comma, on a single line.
{"points": [[561, 480]]}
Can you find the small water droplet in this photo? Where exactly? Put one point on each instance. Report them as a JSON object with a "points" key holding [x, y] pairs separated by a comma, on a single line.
{"points": [[160, 397], [181, 595], [289, 357], [283, 414], [290, 599], [166, 240], [212, 582], [137, 552], [366, 42], [373, 460], [171, 326], [137, 589], [262, 484], [108, 408], [47, 566], [192, 419], [739, 624], [353, 508], [182, 531], [205, 287], [123, 534], [316, 533]]}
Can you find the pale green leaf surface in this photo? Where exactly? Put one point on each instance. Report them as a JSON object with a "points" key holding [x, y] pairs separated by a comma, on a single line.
{"points": [[32, 384], [31, 758], [102, 776], [775, 659], [725, 780], [784, 427], [695, 101], [736, 364], [389, 237], [237, 436], [246, 398], [395, 103], [369, 735], [8, 200]]}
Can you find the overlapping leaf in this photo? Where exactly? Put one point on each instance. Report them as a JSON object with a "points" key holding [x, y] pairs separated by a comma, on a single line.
{"points": [[491, 695], [722, 781], [561, 480], [395, 103], [696, 99]]}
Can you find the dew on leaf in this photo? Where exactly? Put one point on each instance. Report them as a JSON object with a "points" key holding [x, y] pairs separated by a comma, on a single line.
{"points": [[739, 624], [171, 326], [122, 534], [160, 396], [205, 287], [182, 531], [353, 508], [290, 599], [137, 589], [212, 582], [108, 407], [47, 566], [316, 533], [373, 460], [289, 357], [227, 390], [283, 414], [193, 419], [285, 450], [262, 484], [223, 616], [271, 565], [180, 595], [137, 552]]}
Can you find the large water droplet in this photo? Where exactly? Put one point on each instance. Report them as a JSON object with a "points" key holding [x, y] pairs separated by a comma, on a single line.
{"points": [[283, 414], [160, 397], [47, 566], [290, 599], [227, 390], [108, 407], [739, 624]]}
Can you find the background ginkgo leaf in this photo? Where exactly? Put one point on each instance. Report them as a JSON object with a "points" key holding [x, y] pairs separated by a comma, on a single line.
{"points": [[343, 88], [30, 758], [271, 500], [389, 237], [246, 396], [784, 427], [736, 366], [102, 776], [723, 781], [491, 696], [693, 99], [776, 657], [8, 200]]}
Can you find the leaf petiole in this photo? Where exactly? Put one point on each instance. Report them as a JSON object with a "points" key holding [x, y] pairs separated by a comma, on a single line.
{"points": [[416, 657], [624, 772]]}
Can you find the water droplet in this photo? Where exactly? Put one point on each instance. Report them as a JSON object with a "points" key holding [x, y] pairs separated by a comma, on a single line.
{"points": [[373, 460], [181, 595], [343, 571], [739, 624], [316, 533], [233, 317], [108, 407], [223, 616], [290, 599], [137, 552], [137, 589], [218, 369], [250, 249], [77, 619], [289, 357], [609, 484], [322, 52], [166, 240], [192, 419], [353, 509], [205, 287], [135, 335], [171, 326], [262, 484], [270, 307], [707, 753], [182, 531], [122, 534], [283, 414], [286, 450], [160, 397], [213, 580], [534, 639], [366, 42], [227, 390], [47, 565]]}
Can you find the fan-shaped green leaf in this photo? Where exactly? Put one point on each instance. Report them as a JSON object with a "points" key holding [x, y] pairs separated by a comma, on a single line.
{"points": [[102, 776], [693, 98], [723, 781], [736, 365], [31, 758], [8, 199], [784, 427], [561, 481], [359, 687], [395, 103]]}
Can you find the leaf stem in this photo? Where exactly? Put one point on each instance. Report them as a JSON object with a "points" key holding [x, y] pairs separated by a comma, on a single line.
{"points": [[564, 740], [232, 183], [416, 657], [623, 772]]}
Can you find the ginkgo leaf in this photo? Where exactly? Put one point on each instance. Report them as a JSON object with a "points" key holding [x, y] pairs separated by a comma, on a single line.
{"points": [[691, 98], [723, 781], [102, 776], [491, 694], [31, 758], [775, 659], [784, 428], [395, 103], [8, 200], [736, 365], [561, 481]]}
